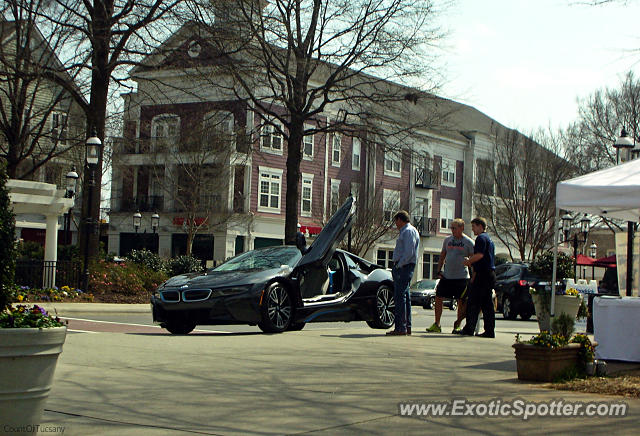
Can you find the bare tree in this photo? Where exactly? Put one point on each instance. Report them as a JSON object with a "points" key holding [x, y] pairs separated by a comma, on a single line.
{"points": [[194, 172], [39, 120], [515, 190], [602, 115], [295, 61]]}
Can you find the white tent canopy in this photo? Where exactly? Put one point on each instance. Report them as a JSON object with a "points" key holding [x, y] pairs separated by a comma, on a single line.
{"points": [[613, 192]]}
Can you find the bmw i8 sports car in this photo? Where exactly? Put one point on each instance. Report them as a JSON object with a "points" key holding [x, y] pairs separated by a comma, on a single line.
{"points": [[279, 288]]}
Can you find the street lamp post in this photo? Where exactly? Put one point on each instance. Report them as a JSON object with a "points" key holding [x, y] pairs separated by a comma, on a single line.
{"points": [[72, 180], [567, 224], [593, 251], [93, 152], [626, 143]]}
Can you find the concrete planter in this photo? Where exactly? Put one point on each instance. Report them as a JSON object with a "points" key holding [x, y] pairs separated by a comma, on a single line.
{"points": [[564, 304], [28, 358], [543, 364]]}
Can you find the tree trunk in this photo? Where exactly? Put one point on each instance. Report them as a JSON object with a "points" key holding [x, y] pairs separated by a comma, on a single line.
{"points": [[294, 157]]}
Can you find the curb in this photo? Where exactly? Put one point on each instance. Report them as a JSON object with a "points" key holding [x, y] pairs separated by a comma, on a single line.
{"points": [[66, 308]]}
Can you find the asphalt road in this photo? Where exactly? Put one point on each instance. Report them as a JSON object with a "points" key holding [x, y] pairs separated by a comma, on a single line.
{"points": [[140, 322]]}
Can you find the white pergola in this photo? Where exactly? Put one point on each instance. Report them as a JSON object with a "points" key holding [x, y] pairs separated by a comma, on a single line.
{"points": [[45, 199]]}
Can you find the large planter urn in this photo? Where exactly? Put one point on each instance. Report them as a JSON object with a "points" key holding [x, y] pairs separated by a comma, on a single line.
{"points": [[536, 363], [28, 358], [568, 304]]}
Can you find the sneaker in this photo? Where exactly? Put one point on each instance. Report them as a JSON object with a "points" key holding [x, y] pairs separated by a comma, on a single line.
{"points": [[456, 328], [396, 333], [486, 335], [408, 332], [435, 328]]}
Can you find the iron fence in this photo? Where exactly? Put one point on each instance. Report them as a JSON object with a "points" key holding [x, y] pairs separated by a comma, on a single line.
{"points": [[36, 273]]}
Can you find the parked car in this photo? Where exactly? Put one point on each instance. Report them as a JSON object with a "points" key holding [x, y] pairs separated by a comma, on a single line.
{"points": [[513, 281], [278, 288], [423, 293]]}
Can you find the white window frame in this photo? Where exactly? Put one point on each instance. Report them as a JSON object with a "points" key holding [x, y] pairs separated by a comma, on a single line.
{"points": [[388, 257], [336, 147], [356, 154], [448, 175], [447, 214], [271, 176], [307, 182], [431, 264], [334, 196], [58, 135], [272, 134], [165, 122], [390, 203], [308, 140], [392, 164]]}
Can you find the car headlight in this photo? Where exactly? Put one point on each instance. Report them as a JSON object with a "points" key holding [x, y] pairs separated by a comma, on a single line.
{"points": [[222, 292]]}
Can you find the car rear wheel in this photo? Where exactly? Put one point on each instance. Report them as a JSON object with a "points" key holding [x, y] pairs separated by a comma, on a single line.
{"points": [[276, 309], [384, 312], [432, 303], [180, 327], [453, 305], [507, 309], [526, 316]]}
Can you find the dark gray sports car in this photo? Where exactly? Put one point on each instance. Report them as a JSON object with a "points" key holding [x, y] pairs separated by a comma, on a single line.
{"points": [[278, 288]]}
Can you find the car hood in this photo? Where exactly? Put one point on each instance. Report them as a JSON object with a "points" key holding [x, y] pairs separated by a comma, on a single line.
{"points": [[220, 279], [332, 233]]}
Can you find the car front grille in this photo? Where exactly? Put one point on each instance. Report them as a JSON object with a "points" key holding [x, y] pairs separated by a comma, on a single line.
{"points": [[196, 294], [170, 296]]}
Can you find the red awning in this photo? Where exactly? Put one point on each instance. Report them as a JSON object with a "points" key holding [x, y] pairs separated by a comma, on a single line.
{"points": [[311, 229], [606, 262], [585, 260]]}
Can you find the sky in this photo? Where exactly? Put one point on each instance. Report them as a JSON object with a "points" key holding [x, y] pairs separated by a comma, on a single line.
{"points": [[526, 62]]}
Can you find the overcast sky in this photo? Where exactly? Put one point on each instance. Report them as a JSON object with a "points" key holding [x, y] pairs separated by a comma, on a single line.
{"points": [[524, 62]]}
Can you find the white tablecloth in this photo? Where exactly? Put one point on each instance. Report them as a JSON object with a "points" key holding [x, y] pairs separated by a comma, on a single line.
{"points": [[616, 328]]}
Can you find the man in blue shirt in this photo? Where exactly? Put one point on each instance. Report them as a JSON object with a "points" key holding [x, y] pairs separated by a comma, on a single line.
{"points": [[483, 282], [405, 256]]}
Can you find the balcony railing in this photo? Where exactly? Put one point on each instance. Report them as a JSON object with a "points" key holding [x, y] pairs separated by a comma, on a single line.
{"points": [[147, 203], [426, 178], [425, 226], [209, 202]]}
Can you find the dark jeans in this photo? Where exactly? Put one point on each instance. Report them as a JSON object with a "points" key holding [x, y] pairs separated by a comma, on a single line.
{"points": [[480, 299], [402, 298]]}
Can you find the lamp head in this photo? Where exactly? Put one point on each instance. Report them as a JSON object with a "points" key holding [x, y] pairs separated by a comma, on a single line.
{"points": [[93, 149]]}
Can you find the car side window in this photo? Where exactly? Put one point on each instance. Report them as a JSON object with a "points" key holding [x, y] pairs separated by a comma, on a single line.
{"points": [[500, 270]]}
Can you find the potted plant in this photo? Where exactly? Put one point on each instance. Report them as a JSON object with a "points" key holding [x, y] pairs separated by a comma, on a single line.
{"points": [[30, 339], [566, 301], [547, 355]]}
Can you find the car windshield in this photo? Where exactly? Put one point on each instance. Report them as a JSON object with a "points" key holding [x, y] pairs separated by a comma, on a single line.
{"points": [[427, 284], [266, 258]]}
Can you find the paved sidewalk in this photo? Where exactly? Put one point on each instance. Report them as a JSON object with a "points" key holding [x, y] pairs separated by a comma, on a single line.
{"points": [[342, 380], [67, 308]]}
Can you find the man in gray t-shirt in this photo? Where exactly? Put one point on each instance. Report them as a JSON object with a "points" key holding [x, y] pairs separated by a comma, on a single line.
{"points": [[454, 279]]}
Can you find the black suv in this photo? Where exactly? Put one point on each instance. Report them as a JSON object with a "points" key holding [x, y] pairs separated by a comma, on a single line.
{"points": [[513, 281]]}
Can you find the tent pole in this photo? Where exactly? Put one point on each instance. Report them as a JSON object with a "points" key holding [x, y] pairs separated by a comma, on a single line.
{"points": [[555, 265]]}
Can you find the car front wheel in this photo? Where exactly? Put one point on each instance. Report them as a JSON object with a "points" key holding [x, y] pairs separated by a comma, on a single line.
{"points": [[180, 327], [507, 309], [384, 312], [432, 303], [453, 305], [276, 309]]}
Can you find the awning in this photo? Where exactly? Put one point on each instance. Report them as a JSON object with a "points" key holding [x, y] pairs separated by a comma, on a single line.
{"points": [[585, 260]]}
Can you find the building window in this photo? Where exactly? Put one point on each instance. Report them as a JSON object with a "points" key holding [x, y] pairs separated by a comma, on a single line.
{"points": [[165, 131], [307, 145], [269, 194], [355, 154], [271, 138], [385, 258], [448, 172], [430, 265], [484, 177], [447, 212], [392, 164], [336, 149], [390, 203], [307, 194], [335, 196], [59, 128], [218, 130]]}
